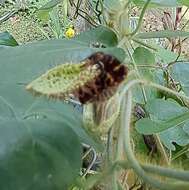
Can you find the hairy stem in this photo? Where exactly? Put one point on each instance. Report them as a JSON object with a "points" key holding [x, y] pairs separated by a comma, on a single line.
{"points": [[125, 124], [158, 170]]}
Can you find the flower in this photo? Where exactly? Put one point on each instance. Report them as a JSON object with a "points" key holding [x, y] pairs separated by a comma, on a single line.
{"points": [[70, 32]]}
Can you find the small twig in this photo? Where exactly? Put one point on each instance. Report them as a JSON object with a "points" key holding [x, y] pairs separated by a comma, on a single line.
{"points": [[87, 17], [7, 16], [77, 6], [187, 22], [184, 14], [99, 13], [92, 162]]}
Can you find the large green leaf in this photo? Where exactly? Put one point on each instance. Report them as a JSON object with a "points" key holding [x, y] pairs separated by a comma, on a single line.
{"points": [[40, 140], [7, 40], [143, 56], [20, 65], [24, 63], [24, 105], [34, 155], [163, 34], [167, 3], [148, 127], [180, 72], [163, 110], [168, 119], [100, 35]]}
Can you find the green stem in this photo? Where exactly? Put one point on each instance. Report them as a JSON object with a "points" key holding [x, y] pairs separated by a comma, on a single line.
{"points": [[148, 83], [144, 44], [137, 72], [150, 66], [132, 83], [140, 19], [158, 170], [161, 149], [119, 145], [125, 124]]}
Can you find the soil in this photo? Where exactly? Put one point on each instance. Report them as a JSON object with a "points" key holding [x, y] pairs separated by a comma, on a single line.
{"points": [[25, 26]]}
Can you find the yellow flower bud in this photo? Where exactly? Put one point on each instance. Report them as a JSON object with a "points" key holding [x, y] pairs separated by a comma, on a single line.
{"points": [[70, 33]]}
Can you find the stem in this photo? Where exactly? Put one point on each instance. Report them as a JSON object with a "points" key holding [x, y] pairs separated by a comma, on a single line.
{"points": [[8, 15], [161, 149], [109, 152], [140, 19], [125, 124], [150, 66], [132, 83], [144, 44], [137, 73], [158, 170], [147, 83], [119, 145]]}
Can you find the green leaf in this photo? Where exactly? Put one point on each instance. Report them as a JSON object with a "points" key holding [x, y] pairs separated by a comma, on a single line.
{"points": [[24, 105], [163, 34], [41, 149], [147, 126], [38, 154], [66, 113], [43, 12], [184, 2], [143, 56], [51, 4], [98, 36], [174, 135], [180, 72], [162, 110], [24, 63], [166, 55], [155, 3], [7, 40], [168, 119], [44, 142], [138, 95]]}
